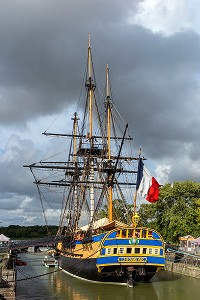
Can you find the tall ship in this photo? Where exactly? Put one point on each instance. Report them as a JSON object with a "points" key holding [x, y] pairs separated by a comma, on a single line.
{"points": [[99, 237]]}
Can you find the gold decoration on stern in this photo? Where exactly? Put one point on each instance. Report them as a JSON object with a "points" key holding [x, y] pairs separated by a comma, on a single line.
{"points": [[135, 220]]}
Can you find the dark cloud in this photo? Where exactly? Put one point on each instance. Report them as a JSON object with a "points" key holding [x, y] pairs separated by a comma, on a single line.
{"points": [[155, 82], [41, 54]]}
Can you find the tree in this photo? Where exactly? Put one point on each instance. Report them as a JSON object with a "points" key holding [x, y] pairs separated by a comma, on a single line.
{"points": [[24, 232], [147, 213], [177, 213], [121, 212]]}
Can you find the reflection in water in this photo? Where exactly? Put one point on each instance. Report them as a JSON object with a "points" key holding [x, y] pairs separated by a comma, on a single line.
{"points": [[81, 290], [176, 287], [60, 286]]}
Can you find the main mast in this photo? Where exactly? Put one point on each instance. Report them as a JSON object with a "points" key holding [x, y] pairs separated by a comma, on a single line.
{"points": [[90, 87], [108, 104]]}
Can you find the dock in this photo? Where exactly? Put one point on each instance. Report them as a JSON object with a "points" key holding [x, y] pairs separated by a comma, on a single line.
{"points": [[7, 277], [185, 264]]}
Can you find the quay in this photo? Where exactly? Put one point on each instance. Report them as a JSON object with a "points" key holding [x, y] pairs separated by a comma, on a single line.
{"points": [[183, 269], [7, 276], [183, 263]]}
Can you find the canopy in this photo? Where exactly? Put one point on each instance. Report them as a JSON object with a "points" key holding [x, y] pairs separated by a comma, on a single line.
{"points": [[186, 238], [114, 224], [97, 224], [4, 238], [196, 241], [104, 224]]}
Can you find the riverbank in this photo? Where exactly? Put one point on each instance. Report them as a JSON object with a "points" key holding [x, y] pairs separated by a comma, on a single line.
{"points": [[184, 267], [7, 285], [7, 278]]}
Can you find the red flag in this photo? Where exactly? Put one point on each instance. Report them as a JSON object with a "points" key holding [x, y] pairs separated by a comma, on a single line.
{"points": [[149, 187], [153, 192]]}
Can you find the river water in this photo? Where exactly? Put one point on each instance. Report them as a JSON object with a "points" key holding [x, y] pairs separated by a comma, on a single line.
{"points": [[60, 286]]}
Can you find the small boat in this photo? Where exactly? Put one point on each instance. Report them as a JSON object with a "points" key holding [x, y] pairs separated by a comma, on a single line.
{"points": [[20, 262], [100, 238], [50, 261]]}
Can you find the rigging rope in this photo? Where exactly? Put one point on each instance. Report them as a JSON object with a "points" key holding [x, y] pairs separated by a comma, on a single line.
{"points": [[36, 276]]}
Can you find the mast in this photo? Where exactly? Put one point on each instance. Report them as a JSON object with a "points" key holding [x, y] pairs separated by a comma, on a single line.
{"points": [[75, 135], [108, 103], [90, 87], [75, 120], [95, 162]]}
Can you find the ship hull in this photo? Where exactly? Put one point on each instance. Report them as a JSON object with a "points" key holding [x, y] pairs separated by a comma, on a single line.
{"points": [[86, 269], [115, 256]]}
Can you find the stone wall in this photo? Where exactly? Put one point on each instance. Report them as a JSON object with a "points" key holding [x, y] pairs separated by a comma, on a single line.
{"points": [[184, 269]]}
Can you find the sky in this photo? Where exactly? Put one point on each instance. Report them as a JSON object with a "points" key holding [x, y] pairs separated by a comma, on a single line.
{"points": [[153, 51]]}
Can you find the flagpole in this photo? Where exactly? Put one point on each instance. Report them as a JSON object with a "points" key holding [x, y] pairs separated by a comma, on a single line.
{"points": [[135, 202], [135, 217]]}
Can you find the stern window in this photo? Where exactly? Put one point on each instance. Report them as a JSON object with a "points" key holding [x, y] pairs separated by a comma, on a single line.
{"points": [[144, 251], [108, 251], [137, 250], [156, 251], [121, 250], [150, 251], [129, 250]]}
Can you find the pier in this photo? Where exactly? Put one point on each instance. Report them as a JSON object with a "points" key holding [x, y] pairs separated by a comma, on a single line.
{"points": [[8, 263], [183, 263], [7, 277]]}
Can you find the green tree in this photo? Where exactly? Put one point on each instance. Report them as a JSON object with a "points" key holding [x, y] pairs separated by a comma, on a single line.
{"points": [[25, 232], [177, 212], [121, 212], [147, 214]]}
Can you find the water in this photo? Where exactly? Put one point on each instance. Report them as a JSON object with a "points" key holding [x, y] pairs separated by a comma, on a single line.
{"points": [[60, 286]]}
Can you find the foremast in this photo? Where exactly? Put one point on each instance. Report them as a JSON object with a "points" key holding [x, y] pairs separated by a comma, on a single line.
{"points": [[75, 124]]}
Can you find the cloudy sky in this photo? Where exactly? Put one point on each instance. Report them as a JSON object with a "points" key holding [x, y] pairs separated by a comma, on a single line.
{"points": [[153, 50]]}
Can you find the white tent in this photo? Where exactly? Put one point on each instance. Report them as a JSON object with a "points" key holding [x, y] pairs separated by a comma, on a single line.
{"points": [[97, 224], [105, 224], [4, 238], [196, 241]]}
